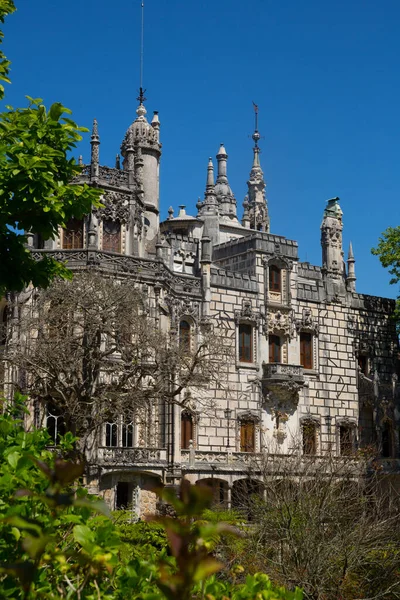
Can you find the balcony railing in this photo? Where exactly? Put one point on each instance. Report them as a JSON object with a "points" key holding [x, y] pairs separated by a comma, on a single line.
{"points": [[283, 372], [198, 456], [130, 456]]}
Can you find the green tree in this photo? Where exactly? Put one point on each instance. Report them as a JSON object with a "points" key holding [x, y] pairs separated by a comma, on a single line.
{"points": [[388, 250], [35, 190]]}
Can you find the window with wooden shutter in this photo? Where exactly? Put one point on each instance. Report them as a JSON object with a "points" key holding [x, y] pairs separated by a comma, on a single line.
{"points": [[184, 336], [306, 350], [346, 440], [309, 438], [247, 436], [73, 234], [274, 343], [111, 236], [245, 343], [186, 430], [275, 279]]}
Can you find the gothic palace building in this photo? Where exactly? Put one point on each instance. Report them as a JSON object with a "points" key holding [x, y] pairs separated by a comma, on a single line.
{"points": [[325, 354]]}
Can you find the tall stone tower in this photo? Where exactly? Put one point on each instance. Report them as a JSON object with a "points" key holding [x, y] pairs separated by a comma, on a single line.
{"points": [[141, 150], [255, 204], [332, 249]]}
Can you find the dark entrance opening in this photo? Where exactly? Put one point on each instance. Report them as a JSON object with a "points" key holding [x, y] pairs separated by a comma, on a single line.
{"points": [[122, 495]]}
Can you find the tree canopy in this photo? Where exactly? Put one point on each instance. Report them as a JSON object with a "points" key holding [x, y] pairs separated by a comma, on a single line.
{"points": [[36, 194], [388, 250]]}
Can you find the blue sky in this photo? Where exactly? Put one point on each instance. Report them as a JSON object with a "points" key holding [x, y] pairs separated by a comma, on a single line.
{"points": [[325, 76]]}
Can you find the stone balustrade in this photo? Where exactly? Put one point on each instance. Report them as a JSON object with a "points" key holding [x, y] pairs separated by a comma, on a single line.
{"points": [[130, 456], [283, 372]]}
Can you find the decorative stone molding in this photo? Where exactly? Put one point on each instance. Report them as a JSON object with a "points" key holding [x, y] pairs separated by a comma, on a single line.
{"points": [[280, 322], [116, 207], [182, 308], [307, 323], [247, 314]]}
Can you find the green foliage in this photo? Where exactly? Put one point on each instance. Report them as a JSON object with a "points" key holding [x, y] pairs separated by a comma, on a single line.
{"points": [[35, 190], [388, 250], [57, 542]]}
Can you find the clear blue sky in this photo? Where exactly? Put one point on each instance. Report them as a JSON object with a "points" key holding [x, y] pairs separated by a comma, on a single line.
{"points": [[324, 74]]}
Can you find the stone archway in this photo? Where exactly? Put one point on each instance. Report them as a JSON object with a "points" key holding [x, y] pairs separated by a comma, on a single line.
{"points": [[134, 491], [220, 491], [246, 494]]}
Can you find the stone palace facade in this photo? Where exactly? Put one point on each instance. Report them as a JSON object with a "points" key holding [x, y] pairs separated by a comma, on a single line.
{"points": [[314, 369]]}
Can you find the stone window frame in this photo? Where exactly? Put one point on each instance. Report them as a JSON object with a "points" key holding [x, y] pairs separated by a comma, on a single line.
{"points": [[315, 421], [193, 330], [351, 425], [247, 316], [311, 327], [119, 423], [195, 427], [121, 233], [247, 416], [285, 267]]}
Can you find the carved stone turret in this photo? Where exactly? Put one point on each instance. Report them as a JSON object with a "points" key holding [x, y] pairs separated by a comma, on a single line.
{"points": [[332, 250], [225, 198], [257, 202], [94, 157], [351, 272]]}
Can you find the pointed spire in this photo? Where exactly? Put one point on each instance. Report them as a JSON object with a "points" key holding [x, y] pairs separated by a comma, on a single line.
{"points": [[80, 160], [118, 162], [210, 199], [351, 272], [95, 143], [225, 198], [210, 175], [257, 209]]}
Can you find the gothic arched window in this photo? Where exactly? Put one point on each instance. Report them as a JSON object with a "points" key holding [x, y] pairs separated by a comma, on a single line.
{"points": [[111, 235], [73, 234], [275, 279], [185, 336], [55, 423], [187, 430]]}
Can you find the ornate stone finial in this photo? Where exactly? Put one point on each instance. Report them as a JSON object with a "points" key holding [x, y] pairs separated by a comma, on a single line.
{"points": [[210, 175], [95, 143], [257, 213], [351, 272], [80, 160], [118, 162], [170, 213]]}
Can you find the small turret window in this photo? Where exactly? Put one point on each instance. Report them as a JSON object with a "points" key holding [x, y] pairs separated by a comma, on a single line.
{"points": [[111, 236], [184, 336], [73, 234], [275, 279]]}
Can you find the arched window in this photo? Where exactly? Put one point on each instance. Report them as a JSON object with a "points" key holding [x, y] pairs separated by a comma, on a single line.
{"points": [[111, 235], [275, 279], [245, 343], [186, 429], [184, 336], [73, 234], [309, 431], [55, 423], [111, 435], [387, 440], [274, 343], [4, 323], [306, 350], [247, 435], [346, 440], [127, 435]]}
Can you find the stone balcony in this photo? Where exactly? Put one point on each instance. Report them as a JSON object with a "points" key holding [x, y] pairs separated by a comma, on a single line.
{"points": [[283, 381], [193, 457], [114, 457]]}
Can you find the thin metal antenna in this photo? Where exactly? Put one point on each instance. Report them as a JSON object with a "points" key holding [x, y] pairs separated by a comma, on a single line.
{"points": [[141, 97]]}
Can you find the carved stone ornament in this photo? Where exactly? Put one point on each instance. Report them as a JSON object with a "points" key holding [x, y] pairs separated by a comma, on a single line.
{"points": [[307, 323], [182, 307], [247, 314], [280, 322], [116, 207]]}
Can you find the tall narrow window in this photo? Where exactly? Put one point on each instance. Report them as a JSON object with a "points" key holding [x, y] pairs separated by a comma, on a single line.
{"points": [[73, 234], [186, 430], [275, 279], [111, 236], [363, 364], [346, 440], [274, 343], [4, 320], [309, 438], [184, 336], [306, 350], [247, 436], [111, 435], [387, 440], [245, 343], [55, 423], [127, 435]]}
